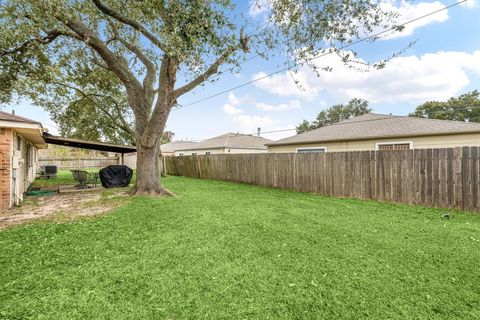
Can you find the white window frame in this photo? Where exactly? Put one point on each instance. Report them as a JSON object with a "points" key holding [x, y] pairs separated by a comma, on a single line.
{"points": [[378, 144], [312, 148]]}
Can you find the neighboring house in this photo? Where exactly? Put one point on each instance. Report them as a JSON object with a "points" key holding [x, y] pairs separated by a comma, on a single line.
{"points": [[168, 149], [382, 132], [20, 138], [228, 143]]}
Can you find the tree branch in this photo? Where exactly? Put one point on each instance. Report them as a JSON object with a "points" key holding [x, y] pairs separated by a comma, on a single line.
{"points": [[165, 98], [50, 37], [137, 51], [132, 23], [126, 129], [213, 69], [123, 123], [115, 63]]}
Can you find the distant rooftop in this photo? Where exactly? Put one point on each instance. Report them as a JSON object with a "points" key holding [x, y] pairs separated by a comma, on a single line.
{"points": [[177, 145], [6, 116], [231, 140], [373, 126]]}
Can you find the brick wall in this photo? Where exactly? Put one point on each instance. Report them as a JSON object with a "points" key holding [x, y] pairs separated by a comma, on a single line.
{"points": [[5, 150]]}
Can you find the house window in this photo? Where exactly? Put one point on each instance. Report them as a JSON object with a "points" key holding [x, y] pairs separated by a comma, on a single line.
{"points": [[394, 146], [180, 154], [19, 143], [194, 153], [312, 150], [207, 153]]}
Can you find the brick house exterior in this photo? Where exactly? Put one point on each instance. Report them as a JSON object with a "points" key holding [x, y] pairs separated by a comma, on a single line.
{"points": [[20, 138]]}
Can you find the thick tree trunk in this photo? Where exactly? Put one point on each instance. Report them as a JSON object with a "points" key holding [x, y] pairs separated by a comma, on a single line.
{"points": [[148, 172]]}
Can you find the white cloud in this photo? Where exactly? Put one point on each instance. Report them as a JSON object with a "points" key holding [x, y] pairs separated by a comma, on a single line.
{"points": [[294, 104], [469, 4], [436, 76], [250, 123], [408, 11], [231, 110], [284, 85], [258, 7], [233, 99], [229, 107]]}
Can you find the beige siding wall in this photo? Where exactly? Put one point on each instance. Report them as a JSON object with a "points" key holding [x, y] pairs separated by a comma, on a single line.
{"points": [[219, 151], [232, 150], [6, 137], [199, 152], [24, 158], [444, 141]]}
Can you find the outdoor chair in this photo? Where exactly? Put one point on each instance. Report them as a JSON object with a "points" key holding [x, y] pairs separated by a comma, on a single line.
{"points": [[85, 179]]}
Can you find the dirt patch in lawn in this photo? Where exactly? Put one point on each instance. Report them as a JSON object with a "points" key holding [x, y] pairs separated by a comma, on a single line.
{"points": [[61, 207]]}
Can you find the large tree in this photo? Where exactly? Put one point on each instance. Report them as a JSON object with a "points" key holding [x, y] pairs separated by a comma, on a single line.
{"points": [[336, 113], [156, 51], [465, 107]]}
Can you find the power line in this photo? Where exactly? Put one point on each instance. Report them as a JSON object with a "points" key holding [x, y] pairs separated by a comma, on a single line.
{"points": [[253, 57], [321, 55], [332, 124], [292, 129], [386, 117], [357, 121]]}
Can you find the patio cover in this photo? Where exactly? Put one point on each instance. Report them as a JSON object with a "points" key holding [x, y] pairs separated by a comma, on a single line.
{"points": [[92, 145]]}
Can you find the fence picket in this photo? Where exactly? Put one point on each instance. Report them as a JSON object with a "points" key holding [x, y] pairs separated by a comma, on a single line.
{"points": [[446, 178]]}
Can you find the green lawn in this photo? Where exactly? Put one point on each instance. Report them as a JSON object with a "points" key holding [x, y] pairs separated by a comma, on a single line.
{"points": [[64, 177], [221, 250]]}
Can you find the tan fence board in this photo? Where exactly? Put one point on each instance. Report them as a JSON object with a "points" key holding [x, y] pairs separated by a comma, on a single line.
{"points": [[445, 178]]}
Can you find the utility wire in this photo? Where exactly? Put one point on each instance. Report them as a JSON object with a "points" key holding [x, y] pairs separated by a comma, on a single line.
{"points": [[386, 117], [321, 55], [359, 121]]}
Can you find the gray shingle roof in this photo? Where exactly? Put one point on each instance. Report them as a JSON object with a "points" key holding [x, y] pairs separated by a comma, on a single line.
{"points": [[231, 140], [372, 126], [6, 116], [177, 145]]}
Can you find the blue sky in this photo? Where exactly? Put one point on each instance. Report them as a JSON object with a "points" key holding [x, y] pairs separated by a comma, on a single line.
{"points": [[444, 62]]}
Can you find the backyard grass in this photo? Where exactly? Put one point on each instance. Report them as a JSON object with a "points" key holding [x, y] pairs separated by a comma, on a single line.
{"points": [[65, 177], [222, 250]]}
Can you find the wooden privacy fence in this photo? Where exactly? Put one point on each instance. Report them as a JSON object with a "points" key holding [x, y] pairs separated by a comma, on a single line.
{"points": [[79, 163], [446, 178]]}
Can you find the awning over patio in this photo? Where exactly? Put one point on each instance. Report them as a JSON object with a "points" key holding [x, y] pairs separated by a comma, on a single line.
{"points": [[92, 145]]}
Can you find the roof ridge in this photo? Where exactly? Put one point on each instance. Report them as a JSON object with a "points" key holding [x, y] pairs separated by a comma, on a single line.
{"points": [[232, 140], [381, 126], [443, 120], [346, 121]]}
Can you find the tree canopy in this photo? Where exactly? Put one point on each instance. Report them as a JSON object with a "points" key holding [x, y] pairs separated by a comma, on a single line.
{"points": [[354, 108], [133, 60], [465, 107]]}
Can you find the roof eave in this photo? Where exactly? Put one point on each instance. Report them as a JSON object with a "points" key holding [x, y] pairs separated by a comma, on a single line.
{"points": [[275, 144]]}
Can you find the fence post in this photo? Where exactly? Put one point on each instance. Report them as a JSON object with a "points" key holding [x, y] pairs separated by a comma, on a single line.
{"points": [[438, 177], [457, 177], [1, 182]]}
